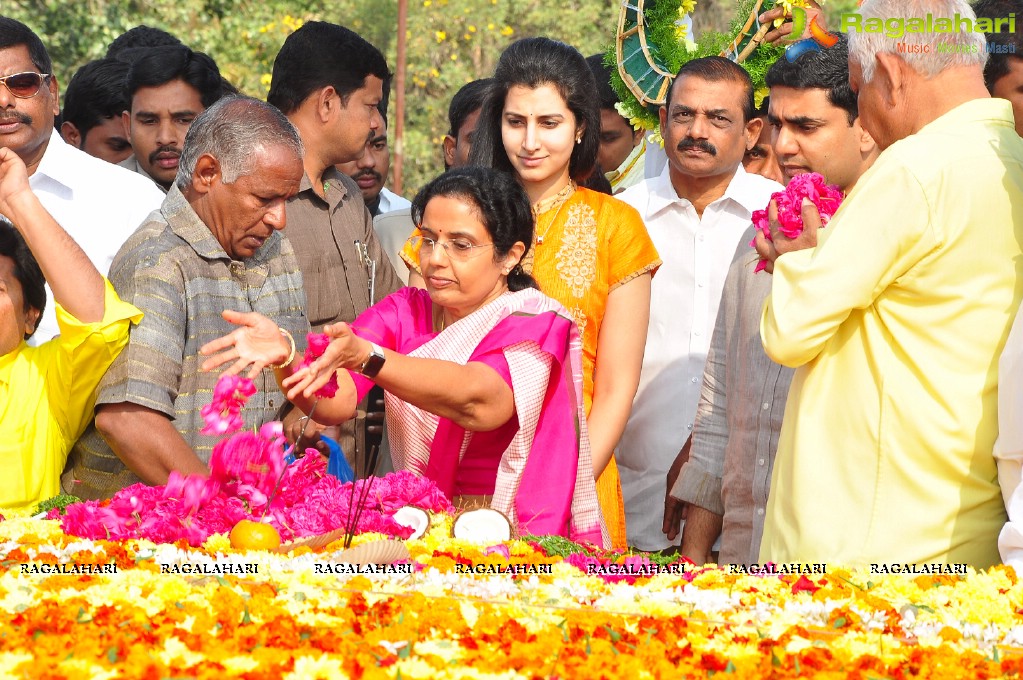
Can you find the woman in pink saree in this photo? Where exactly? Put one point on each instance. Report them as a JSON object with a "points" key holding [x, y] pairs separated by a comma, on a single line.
{"points": [[482, 372]]}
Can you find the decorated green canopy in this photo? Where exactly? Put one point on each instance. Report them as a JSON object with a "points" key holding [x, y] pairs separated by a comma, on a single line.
{"points": [[654, 40]]}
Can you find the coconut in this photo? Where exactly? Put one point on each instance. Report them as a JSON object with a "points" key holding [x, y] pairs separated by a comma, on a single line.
{"points": [[482, 525], [413, 517]]}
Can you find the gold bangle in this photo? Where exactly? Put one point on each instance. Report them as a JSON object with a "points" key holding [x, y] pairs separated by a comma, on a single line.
{"points": [[291, 356]]}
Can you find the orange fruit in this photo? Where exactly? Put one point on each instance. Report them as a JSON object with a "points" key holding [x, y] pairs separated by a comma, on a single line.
{"points": [[250, 535]]}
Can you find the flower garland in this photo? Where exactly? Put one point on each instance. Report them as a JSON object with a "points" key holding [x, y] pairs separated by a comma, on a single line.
{"points": [[827, 198], [665, 27]]}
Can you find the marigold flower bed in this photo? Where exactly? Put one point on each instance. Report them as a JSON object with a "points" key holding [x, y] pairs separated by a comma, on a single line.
{"points": [[440, 619]]}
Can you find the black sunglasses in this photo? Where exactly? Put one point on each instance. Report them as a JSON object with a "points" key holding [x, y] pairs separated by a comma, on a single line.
{"points": [[25, 85]]}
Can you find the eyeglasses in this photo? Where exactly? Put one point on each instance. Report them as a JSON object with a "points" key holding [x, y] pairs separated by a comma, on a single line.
{"points": [[25, 85], [457, 249]]}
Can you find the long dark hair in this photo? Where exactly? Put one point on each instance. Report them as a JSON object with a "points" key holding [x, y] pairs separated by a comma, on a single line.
{"points": [[501, 205], [534, 62]]}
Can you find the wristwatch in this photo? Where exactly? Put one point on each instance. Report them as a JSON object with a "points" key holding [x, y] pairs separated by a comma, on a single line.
{"points": [[374, 362]]}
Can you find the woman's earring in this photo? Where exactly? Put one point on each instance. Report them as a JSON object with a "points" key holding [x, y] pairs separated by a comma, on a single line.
{"points": [[578, 140]]}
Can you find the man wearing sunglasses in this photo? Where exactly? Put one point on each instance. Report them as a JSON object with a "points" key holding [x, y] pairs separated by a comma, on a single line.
{"points": [[97, 203]]}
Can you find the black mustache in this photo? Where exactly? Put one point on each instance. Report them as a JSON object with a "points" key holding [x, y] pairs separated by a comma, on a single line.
{"points": [[367, 173], [15, 115], [164, 149], [701, 144]]}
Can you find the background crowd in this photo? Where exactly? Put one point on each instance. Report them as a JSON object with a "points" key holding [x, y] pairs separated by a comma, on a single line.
{"points": [[585, 342]]}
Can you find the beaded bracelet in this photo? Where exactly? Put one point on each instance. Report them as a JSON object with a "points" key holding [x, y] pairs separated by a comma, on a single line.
{"points": [[291, 356]]}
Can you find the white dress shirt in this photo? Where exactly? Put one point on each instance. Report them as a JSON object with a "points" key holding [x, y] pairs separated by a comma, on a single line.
{"points": [[1009, 445], [98, 203], [393, 230], [683, 306], [390, 201]]}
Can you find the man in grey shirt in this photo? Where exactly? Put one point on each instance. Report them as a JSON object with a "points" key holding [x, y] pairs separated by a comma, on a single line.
{"points": [[726, 479], [213, 245]]}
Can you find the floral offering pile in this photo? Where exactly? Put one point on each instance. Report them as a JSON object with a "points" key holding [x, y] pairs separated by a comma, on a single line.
{"points": [[826, 198], [148, 585], [461, 610]]}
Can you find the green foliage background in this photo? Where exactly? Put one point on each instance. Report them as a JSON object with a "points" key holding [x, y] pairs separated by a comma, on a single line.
{"points": [[450, 42]]}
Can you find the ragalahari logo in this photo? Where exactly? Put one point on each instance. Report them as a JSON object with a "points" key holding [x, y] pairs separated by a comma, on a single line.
{"points": [[814, 36]]}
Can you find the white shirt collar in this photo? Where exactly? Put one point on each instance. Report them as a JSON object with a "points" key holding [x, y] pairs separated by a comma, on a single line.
{"points": [[742, 189], [58, 163]]}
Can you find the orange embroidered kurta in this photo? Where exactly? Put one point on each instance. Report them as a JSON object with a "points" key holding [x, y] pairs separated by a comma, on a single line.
{"points": [[587, 244]]}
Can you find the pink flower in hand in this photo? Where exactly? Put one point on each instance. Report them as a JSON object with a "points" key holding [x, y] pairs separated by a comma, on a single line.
{"points": [[316, 345], [223, 413], [811, 185]]}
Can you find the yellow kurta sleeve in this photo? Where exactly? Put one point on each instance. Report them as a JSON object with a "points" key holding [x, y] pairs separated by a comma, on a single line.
{"points": [[53, 390], [881, 230], [895, 322]]}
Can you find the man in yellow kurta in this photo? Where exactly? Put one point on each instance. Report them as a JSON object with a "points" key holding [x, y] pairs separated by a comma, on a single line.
{"points": [[896, 319], [47, 393]]}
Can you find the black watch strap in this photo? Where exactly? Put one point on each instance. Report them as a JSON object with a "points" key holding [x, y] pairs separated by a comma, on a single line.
{"points": [[374, 362]]}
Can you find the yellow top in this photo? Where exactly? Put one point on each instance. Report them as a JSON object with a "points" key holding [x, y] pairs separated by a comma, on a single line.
{"points": [[896, 321], [47, 396]]}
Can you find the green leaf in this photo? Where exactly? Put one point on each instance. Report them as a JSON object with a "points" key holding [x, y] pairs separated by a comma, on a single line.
{"points": [[730, 668], [59, 501], [300, 597], [839, 622], [615, 635], [245, 616], [405, 651], [112, 654]]}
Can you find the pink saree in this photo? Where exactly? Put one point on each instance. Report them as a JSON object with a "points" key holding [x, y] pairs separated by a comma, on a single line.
{"points": [[544, 481]]}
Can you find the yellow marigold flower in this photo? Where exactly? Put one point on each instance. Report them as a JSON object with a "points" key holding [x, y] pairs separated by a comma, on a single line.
{"points": [[10, 662], [427, 3], [686, 7], [759, 95], [176, 653], [472, 28], [441, 36], [507, 30], [311, 668]]}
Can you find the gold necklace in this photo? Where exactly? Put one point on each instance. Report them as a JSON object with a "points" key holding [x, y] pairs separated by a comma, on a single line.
{"points": [[562, 198]]}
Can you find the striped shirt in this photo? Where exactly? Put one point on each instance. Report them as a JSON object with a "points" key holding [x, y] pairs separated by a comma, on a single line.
{"points": [[738, 420], [178, 274]]}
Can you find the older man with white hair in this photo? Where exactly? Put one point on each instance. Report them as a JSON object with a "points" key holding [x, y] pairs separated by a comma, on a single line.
{"points": [[896, 317]]}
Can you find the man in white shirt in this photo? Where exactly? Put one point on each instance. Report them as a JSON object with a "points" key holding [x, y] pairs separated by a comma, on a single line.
{"points": [[695, 210], [97, 203], [370, 172]]}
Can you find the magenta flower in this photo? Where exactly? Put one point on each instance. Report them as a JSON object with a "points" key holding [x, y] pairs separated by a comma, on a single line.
{"points": [[309, 502], [244, 468], [223, 413], [317, 344], [811, 185], [193, 491]]}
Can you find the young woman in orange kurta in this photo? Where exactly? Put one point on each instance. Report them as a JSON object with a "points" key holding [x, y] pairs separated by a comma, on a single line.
{"points": [[592, 252]]}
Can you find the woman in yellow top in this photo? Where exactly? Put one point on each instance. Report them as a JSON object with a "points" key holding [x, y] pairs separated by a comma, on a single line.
{"points": [[47, 393], [592, 253]]}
